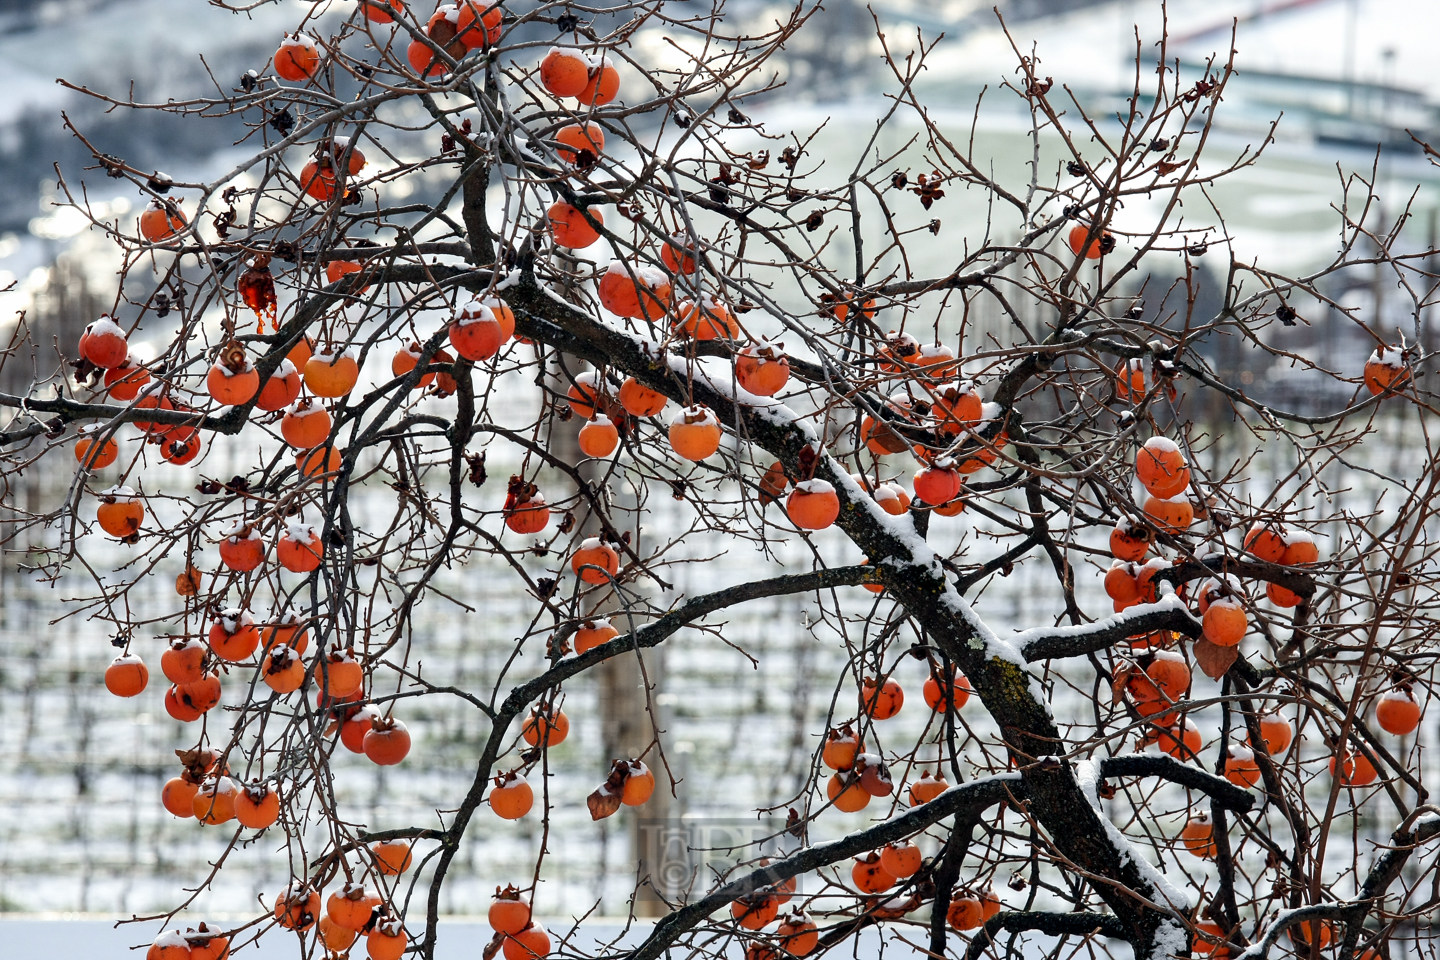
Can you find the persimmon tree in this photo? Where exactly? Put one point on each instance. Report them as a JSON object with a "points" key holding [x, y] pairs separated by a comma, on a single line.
{"points": [[609, 236]]}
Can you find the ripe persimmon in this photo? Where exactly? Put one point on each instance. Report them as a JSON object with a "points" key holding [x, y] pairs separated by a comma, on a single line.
{"points": [[479, 23], [1198, 836], [215, 800], [592, 633], [881, 700], [695, 433], [869, 874], [381, 11], [1276, 733], [351, 906], [1130, 381], [813, 505], [1102, 244], [708, 319], [1161, 468], [187, 702], [1322, 930], [511, 797], [125, 381], [331, 375], [509, 912], [161, 221], [678, 254], [892, 498], [639, 400], [120, 512], [1240, 766], [335, 937], [233, 635], [127, 676], [392, 857], [406, 358], [565, 72], [1182, 742], [1129, 541], [531, 943], [297, 59], [387, 743], [94, 454], [241, 547], [640, 293], [1171, 514], [599, 437], [287, 628], [183, 661], [965, 912], [841, 748], [282, 669], [846, 792], [475, 332], [257, 804], [592, 553], [569, 227], [170, 945], [525, 510], [299, 548], [552, 725], [581, 143], [603, 84], [1266, 542], [297, 907], [178, 796], [1122, 584], [339, 674], [949, 694], [337, 270], [354, 727], [1225, 622], [639, 784], [798, 935], [1385, 370], [281, 389], [901, 859], [762, 368], [927, 788], [387, 941], [1396, 711], [318, 462], [939, 483]]}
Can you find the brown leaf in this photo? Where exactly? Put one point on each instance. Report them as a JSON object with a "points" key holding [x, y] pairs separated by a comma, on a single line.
{"points": [[1120, 681], [493, 947], [602, 803], [1214, 660]]}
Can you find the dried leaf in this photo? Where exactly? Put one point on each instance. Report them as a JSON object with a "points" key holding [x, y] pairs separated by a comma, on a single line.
{"points": [[1120, 681], [1214, 660], [602, 803]]}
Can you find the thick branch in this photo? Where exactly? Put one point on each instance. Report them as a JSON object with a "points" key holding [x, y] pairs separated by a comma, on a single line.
{"points": [[1052, 924], [1221, 790], [1050, 643]]}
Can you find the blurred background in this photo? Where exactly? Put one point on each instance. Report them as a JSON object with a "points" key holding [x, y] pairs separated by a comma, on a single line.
{"points": [[81, 827]]}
